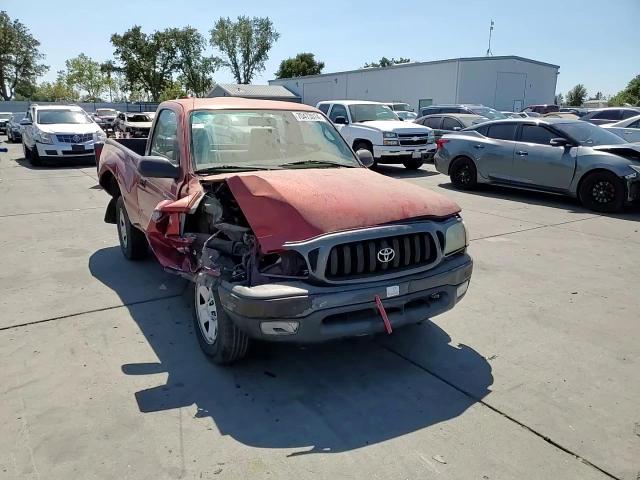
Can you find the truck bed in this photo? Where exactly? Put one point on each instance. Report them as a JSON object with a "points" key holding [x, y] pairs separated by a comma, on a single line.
{"points": [[136, 145]]}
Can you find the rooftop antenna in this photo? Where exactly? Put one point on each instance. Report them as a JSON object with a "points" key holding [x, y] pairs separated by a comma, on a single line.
{"points": [[489, 52]]}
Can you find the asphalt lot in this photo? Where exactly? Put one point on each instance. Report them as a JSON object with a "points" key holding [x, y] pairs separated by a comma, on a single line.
{"points": [[534, 375]]}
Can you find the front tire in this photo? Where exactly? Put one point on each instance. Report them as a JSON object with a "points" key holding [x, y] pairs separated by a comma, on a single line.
{"points": [[602, 192], [219, 338], [413, 164], [133, 243], [463, 174]]}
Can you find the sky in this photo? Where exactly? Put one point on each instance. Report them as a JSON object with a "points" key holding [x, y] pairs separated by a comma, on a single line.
{"points": [[594, 42]]}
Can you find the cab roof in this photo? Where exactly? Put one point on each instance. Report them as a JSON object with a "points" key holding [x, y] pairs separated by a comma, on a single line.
{"points": [[236, 103]]}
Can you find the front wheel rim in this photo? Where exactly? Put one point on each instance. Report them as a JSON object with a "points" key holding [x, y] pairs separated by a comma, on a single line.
{"points": [[122, 229], [603, 192], [207, 313], [463, 175]]}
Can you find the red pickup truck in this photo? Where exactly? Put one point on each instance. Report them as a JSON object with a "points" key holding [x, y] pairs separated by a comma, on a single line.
{"points": [[285, 233]]}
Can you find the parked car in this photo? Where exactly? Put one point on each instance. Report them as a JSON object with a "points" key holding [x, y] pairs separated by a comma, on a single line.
{"points": [[4, 119], [134, 124], [399, 107], [284, 232], [555, 155], [59, 132], [601, 116], [541, 109], [406, 116], [566, 115], [105, 117], [579, 111], [450, 122], [488, 113], [628, 129], [520, 114], [14, 129], [375, 127]]}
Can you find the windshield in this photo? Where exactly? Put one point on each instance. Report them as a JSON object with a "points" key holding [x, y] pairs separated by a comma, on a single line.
{"points": [[252, 139], [16, 117], [5, 116], [489, 113], [138, 117], [588, 134], [367, 112], [49, 117], [406, 115], [106, 112], [401, 107]]}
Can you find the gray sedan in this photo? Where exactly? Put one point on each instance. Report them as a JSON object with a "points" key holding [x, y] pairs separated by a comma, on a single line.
{"points": [[555, 155]]}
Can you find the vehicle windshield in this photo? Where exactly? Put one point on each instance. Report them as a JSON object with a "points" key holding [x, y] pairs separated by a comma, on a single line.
{"points": [[16, 117], [50, 117], [489, 113], [367, 112], [404, 107], [588, 134], [138, 117], [407, 115], [5, 116], [264, 139], [106, 112]]}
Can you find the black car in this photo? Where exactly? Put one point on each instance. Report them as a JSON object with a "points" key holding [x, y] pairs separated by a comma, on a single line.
{"points": [[14, 129], [601, 116], [487, 112]]}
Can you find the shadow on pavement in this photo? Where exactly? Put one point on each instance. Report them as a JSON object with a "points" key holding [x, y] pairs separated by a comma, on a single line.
{"points": [[398, 171], [66, 164], [630, 212], [327, 398]]}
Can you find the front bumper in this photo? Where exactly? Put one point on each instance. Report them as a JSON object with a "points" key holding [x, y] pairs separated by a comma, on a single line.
{"points": [[65, 150], [328, 312], [393, 154]]}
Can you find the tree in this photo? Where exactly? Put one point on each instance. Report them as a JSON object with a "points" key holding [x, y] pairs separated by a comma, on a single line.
{"points": [[299, 66], [196, 70], [559, 100], [173, 90], [148, 61], [87, 75], [244, 44], [53, 91], [386, 62], [629, 96], [19, 57], [577, 95]]}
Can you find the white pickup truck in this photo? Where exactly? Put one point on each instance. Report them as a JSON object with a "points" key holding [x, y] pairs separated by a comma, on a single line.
{"points": [[375, 127]]}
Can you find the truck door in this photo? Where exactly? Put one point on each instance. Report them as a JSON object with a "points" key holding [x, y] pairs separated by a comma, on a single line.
{"points": [[164, 143], [338, 110]]}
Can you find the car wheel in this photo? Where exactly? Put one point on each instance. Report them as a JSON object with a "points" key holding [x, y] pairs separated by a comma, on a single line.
{"points": [[463, 173], [602, 192], [33, 156], [219, 338], [365, 146], [26, 153], [9, 137], [413, 164], [133, 243]]}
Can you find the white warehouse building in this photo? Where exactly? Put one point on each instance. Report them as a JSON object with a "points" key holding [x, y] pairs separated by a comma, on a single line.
{"points": [[504, 83]]}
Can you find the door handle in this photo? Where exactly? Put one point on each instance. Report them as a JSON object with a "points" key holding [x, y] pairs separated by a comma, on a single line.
{"points": [[478, 147], [522, 153]]}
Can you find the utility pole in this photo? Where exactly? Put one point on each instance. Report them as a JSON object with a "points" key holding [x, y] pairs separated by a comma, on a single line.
{"points": [[489, 52]]}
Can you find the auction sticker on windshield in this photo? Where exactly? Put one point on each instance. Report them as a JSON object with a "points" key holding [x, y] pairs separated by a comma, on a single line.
{"points": [[308, 116]]}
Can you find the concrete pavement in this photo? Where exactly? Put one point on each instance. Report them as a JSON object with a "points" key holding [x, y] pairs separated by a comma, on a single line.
{"points": [[533, 375]]}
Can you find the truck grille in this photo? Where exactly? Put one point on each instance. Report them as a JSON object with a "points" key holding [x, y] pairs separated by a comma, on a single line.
{"points": [[75, 138], [409, 139], [365, 258]]}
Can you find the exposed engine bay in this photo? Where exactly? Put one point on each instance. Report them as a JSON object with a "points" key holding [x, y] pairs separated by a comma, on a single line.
{"points": [[225, 245]]}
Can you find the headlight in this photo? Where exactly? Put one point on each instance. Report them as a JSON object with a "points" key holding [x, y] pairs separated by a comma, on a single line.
{"points": [[43, 137], [455, 238], [390, 139], [99, 136], [389, 135]]}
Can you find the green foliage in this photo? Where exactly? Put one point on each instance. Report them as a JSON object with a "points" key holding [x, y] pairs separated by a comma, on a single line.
{"points": [[244, 44], [386, 62], [86, 74], [58, 91], [559, 100], [629, 96], [196, 70], [299, 66], [172, 91], [148, 60], [19, 58], [576, 96]]}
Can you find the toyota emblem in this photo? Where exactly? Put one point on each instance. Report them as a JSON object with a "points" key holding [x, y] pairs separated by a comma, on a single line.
{"points": [[76, 138], [386, 255]]}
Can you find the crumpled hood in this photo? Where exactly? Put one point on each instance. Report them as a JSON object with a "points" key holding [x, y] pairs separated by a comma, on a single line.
{"points": [[292, 205], [397, 126], [69, 128]]}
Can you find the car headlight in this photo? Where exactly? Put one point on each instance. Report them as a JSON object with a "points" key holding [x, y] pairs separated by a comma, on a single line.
{"points": [[389, 138], [43, 137], [99, 136], [455, 238]]}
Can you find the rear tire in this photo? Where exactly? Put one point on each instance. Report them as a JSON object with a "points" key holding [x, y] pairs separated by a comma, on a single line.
{"points": [[413, 164], [133, 243], [463, 174], [602, 192], [219, 338]]}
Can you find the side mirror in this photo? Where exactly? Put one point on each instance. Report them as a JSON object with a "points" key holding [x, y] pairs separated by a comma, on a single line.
{"points": [[456, 129], [157, 167], [340, 121], [559, 142], [365, 157], [24, 121]]}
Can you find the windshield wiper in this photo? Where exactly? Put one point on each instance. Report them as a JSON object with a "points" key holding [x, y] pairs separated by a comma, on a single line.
{"points": [[316, 162], [234, 168]]}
